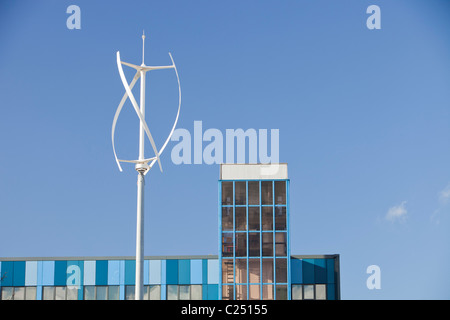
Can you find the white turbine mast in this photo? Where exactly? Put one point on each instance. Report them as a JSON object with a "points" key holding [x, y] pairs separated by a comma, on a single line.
{"points": [[142, 164]]}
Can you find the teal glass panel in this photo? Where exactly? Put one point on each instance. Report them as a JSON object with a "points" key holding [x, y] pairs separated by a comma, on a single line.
{"points": [[7, 273], [130, 272], [331, 291], [113, 272], [330, 271], [205, 292], [74, 273], [101, 273], [19, 273], [184, 272], [155, 271], [205, 271], [48, 273], [296, 271], [213, 292], [196, 271], [320, 271], [308, 271], [60, 272], [172, 271], [31, 273]]}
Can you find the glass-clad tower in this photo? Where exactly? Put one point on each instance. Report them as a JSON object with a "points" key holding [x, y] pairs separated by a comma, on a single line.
{"points": [[254, 253]]}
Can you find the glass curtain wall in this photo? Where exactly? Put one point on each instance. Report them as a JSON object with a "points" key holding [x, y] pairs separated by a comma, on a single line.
{"points": [[254, 239]]}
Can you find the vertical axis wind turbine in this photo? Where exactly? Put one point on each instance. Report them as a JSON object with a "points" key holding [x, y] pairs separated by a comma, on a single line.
{"points": [[142, 164]]}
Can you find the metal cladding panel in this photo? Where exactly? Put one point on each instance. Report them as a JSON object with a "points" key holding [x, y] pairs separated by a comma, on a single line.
{"points": [[172, 271], [89, 273], [130, 272], [7, 273], [154, 271], [113, 272], [101, 272], [48, 273], [184, 271], [196, 271], [31, 273], [60, 273]]}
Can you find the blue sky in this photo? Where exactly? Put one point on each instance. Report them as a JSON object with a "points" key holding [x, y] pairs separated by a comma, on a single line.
{"points": [[363, 117]]}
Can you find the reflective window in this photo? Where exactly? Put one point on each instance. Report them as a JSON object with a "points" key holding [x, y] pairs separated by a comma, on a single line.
{"points": [[321, 292], [185, 292], [48, 293], [71, 293], [227, 193], [281, 270], [241, 270], [297, 292], [267, 244], [19, 293], [281, 292], [227, 218], [241, 218], [280, 192], [253, 244], [7, 293], [280, 244], [254, 292], [254, 273], [30, 293], [172, 292], [241, 292], [60, 293], [280, 218], [227, 292], [240, 193], [241, 244], [253, 218], [129, 293], [308, 291], [227, 271], [196, 292], [267, 218], [267, 270], [267, 292], [227, 244], [266, 192], [102, 293], [253, 192], [113, 293]]}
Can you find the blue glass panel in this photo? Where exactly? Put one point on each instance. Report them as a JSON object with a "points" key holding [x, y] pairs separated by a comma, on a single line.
{"points": [[331, 292], [330, 271], [320, 271], [146, 272], [48, 273], [101, 273], [296, 271], [205, 271], [213, 291], [196, 271], [89, 273], [155, 271], [7, 273], [19, 273], [130, 272], [172, 271], [184, 271], [213, 271], [60, 273], [31, 273], [74, 273], [113, 272], [308, 271], [205, 292]]}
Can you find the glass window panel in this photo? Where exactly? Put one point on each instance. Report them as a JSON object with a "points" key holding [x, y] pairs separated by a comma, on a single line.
{"points": [[241, 292], [253, 244], [281, 292], [280, 244], [281, 270], [227, 218], [253, 218], [227, 292], [280, 218], [146, 293], [7, 293], [227, 193], [267, 268], [241, 244], [254, 270], [227, 271], [60, 293], [129, 292], [267, 218], [297, 293], [48, 293], [241, 218], [308, 291], [72, 293], [172, 292], [185, 292], [321, 293], [155, 292], [240, 192], [102, 293], [253, 192], [267, 244], [266, 192], [30, 293], [196, 292], [267, 292], [254, 292], [241, 270], [19, 293], [89, 293], [280, 192], [227, 245], [113, 293]]}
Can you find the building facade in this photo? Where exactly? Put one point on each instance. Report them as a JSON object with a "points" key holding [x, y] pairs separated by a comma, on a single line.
{"points": [[254, 261]]}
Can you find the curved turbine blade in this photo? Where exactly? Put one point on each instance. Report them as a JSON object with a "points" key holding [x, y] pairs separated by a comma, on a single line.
{"points": [[116, 116], [136, 108], [178, 112]]}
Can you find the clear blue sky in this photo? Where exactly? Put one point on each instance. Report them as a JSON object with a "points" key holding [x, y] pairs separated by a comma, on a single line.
{"points": [[364, 120]]}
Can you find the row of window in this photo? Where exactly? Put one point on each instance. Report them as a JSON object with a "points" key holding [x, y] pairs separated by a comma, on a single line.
{"points": [[254, 244], [174, 292], [253, 218], [254, 270], [256, 192]]}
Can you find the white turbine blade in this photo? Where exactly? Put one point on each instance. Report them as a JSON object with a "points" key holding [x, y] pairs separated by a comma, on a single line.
{"points": [[136, 108], [116, 116], [178, 113], [138, 161], [148, 68], [131, 65]]}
